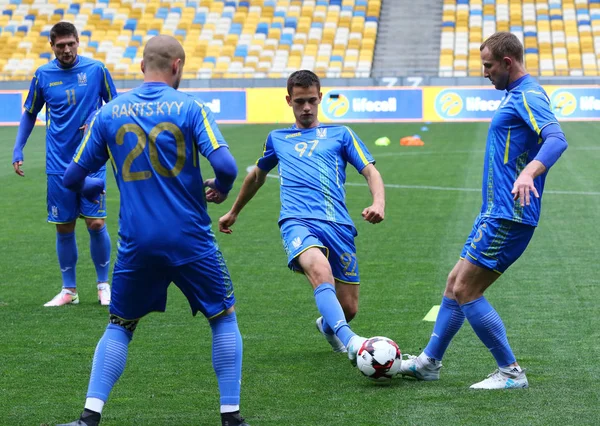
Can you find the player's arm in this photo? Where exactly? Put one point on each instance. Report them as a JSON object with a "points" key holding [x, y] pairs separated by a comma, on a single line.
{"points": [[33, 105], [357, 154], [375, 213], [225, 170], [536, 112], [109, 91], [554, 144], [91, 155], [252, 183]]}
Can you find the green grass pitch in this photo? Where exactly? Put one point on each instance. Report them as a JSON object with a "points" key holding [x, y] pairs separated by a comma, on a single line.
{"points": [[548, 301]]}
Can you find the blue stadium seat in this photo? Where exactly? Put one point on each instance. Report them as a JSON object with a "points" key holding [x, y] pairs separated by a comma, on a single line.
{"points": [[130, 52], [235, 28], [371, 19], [103, 1], [176, 10], [200, 18], [45, 33], [85, 33], [23, 28], [516, 28], [138, 38], [360, 13], [316, 25], [59, 12], [449, 24], [180, 33], [241, 51], [94, 44], [584, 22], [97, 11], [489, 18], [262, 28], [532, 50], [244, 4], [287, 39], [15, 1], [291, 23], [279, 14], [210, 59], [543, 18], [476, 12], [269, 3], [162, 12], [231, 4], [227, 14], [7, 12], [152, 33], [130, 24], [10, 29], [530, 34], [337, 58], [30, 18], [484, 2], [335, 2], [46, 55], [556, 17]]}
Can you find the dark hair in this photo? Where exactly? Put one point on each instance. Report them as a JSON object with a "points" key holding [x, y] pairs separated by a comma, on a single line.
{"points": [[503, 44], [63, 29], [302, 78]]}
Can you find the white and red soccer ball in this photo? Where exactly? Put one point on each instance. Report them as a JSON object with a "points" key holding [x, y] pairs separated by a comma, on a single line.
{"points": [[379, 358]]}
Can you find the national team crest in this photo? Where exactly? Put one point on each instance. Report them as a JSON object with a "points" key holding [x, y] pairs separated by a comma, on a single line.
{"points": [[82, 79], [54, 211], [296, 242], [321, 133]]}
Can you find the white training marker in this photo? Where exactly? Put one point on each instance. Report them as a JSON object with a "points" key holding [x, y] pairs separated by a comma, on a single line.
{"points": [[432, 314]]}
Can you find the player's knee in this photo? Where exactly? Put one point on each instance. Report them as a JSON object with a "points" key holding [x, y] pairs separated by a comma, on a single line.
{"points": [[129, 325], [94, 224], [463, 293]]}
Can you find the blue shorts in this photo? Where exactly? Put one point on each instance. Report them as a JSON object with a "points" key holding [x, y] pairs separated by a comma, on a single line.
{"points": [[205, 283], [334, 239], [495, 244], [65, 206]]}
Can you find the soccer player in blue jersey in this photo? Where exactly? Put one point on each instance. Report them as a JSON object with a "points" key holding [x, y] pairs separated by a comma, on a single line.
{"points": [[72, 87], [153, 135], [524, 141], [316, 228]]}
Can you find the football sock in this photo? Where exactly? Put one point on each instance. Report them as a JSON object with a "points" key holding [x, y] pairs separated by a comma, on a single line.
{"points": [[100, 251], [449, 320], [66, 248], [489, 328], [109, 361], [227, 353], [333, 314]]}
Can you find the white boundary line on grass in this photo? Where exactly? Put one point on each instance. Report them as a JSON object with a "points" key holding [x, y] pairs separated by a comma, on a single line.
{"points": [[446, 188]]}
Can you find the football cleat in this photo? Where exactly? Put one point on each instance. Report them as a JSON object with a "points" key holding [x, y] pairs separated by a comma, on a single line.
{"points": [[75, 423], [104, 294], [353, 346], [415, 366], [65, 297], [504, 379], [332, 339], [233, 419]]}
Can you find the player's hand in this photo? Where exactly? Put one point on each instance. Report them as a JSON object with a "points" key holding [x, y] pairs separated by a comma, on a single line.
{"points": [[522, 189], [96, 199], [226, 222], [373, 214], [83, 129], [213, 195], [17, 166]]}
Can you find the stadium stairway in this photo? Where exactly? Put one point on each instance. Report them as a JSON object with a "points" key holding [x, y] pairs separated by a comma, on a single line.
{"points": [[408, 41]]}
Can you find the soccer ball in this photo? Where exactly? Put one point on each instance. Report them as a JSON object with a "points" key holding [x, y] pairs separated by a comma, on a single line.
{"points": [[379, 358]]}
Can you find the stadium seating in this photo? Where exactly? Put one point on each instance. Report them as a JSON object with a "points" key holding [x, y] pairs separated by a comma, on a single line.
{"points": [[222, 38], [561, 37]]}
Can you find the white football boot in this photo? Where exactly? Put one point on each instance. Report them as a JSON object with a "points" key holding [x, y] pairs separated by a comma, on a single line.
{"points": [[332, 339], [504, 378], [420, 367], [353, 346]]}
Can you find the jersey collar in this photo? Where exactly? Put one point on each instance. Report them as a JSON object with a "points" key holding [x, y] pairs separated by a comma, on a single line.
{"points": [[517, 82], [57, 62]]}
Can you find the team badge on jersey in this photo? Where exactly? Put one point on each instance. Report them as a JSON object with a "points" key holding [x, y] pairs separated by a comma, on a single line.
{"points": [[54, 210], [82, 79], [321, 133]]}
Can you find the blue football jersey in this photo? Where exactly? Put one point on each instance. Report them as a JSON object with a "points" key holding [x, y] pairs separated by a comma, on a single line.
{"points": [[312, 170], [70, 95], [513, 141], [153, 135]]}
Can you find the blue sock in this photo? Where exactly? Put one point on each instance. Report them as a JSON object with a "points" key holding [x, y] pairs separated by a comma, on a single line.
{"points": [[66, 248], [329, 306], [449, 320], [489, 328], [100, 251], [227, 357], [109, 361]]}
